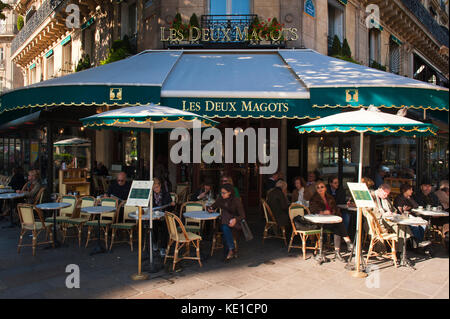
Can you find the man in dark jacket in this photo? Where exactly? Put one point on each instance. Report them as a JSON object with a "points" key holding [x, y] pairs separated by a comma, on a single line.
{"points": [[120, 188], [425, 196], [270, 183], [338, 193]]}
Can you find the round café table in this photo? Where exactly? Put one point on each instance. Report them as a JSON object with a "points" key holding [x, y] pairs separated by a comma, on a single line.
{"points": [[98, 210], [429, 215], [12, 197], [203, 215], [322, 220], [6, 190], [403, 222], [54, 207]]}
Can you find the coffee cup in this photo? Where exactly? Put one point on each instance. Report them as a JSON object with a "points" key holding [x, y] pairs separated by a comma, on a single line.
{"points": [[434, 209], [420, 207]]}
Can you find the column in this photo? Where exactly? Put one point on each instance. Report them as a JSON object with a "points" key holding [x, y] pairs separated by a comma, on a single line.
{"points": [[283, 148]]}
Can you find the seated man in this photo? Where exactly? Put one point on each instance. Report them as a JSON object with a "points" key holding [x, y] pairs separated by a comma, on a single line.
{"points": [[384, 208], [119, 188], [270, 183], [425, 196], [443, 194], [32, 187]]}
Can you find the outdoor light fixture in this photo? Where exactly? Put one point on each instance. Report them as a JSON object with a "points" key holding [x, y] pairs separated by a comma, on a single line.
{"points": [[238, 130], [61, 131]]}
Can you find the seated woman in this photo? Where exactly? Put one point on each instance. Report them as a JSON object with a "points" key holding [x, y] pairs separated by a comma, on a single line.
{"points": [[161, 198], [232, 214], [299, 191], [278, 203], [404, 203], [323, 203], [228, 180], [205, 192]]}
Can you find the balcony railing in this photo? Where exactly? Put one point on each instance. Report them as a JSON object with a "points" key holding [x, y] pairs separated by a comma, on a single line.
{"points": [[231, 21], [8, 29], [44, 11], [422, 14]]}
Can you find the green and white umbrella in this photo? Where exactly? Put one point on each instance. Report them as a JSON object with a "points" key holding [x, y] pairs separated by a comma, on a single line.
{"points": [[371, 121], [146, 118]]}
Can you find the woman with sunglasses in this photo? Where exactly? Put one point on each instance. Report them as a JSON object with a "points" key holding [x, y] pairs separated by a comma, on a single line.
{"points": [[232, 214], [323, 203]]}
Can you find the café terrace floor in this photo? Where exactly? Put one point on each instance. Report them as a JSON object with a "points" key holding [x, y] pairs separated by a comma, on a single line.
{"points": [[262, 271]]}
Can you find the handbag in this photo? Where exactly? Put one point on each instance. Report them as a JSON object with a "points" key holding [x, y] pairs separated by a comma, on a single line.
{"points": [[246, 230], [302, 224]]}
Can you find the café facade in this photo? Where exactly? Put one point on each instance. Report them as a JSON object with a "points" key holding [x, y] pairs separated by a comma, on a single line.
{"points": [[240, 89]]}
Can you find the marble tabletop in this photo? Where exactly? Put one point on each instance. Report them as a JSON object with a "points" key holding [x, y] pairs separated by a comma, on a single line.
{"points": [[52, 206], [202, 215], [323, 219]]}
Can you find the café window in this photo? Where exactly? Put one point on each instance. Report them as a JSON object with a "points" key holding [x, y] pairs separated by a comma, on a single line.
{"points": [[323, 155]]}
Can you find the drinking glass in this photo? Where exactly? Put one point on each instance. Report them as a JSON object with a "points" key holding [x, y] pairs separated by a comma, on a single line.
{"points": [[428, 207]]}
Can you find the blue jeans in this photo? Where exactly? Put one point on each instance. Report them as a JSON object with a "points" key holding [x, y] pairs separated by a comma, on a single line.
{"points": [[418, 232], [346, 219], [228, 241]]}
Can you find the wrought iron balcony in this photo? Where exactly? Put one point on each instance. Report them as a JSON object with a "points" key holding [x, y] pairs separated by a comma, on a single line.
{"points": [[424, 16], [230, 21], [44, 11]]}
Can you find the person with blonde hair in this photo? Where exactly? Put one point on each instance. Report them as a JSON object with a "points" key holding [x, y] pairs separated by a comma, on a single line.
{"points": [[32, 187], [278, 203]]}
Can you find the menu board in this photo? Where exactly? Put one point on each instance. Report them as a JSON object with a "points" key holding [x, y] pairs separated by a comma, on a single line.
{"points": [[361, 195], [139, 194]]}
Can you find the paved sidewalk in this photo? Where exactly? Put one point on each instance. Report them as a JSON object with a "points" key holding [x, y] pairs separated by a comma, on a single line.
{"points": [[261, 271]]}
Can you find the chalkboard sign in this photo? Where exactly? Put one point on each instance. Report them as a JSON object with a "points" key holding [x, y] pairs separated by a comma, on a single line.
{"points": [[309, 8], [139, 194]]}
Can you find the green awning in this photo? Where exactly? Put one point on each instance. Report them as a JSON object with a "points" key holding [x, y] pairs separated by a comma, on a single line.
{"points": [[344, 2]]}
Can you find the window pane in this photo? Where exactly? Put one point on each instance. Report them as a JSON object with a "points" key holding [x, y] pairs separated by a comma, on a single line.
{"points": [[218, 7]]}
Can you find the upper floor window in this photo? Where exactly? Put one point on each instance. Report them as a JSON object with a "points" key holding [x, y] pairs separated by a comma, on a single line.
{"points": [[335, 21], [222, 7], [374, 46], [394, 57]]}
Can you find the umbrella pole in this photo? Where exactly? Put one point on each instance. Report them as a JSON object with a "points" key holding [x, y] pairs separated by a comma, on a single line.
{"points": [[152, 268], [358, 273], [139, 275]]}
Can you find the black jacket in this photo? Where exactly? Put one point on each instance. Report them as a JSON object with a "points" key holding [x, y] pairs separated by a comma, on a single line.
{"points": [[339, 196], [165, 199], [118, 191], [423, 200], [17, 181]]}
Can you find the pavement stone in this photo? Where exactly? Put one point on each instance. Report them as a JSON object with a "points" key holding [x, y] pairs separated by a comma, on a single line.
{"points": [[262, 271]]}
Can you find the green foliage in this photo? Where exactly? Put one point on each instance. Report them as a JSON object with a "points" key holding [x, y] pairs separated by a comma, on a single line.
{"points": [[63, 157], [120, 49], [346, 49], [336, 48], [20, 23], [181, 27], [84, 63], [4, 6], [266, 29], [376, 65], [193, 21], [345, 58]]}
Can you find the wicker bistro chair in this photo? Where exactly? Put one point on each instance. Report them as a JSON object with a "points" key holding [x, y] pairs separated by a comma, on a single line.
{"points": [[217, 240], [192, 225], [299, 210], [181, 239], [106, 219], [126, 223], [39, 196], [80, 219], [271, 223], [378, 234], [28, 223]]}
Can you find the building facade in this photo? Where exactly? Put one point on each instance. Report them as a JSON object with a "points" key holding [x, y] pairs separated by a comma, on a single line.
{"points": [[405, 37]]}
